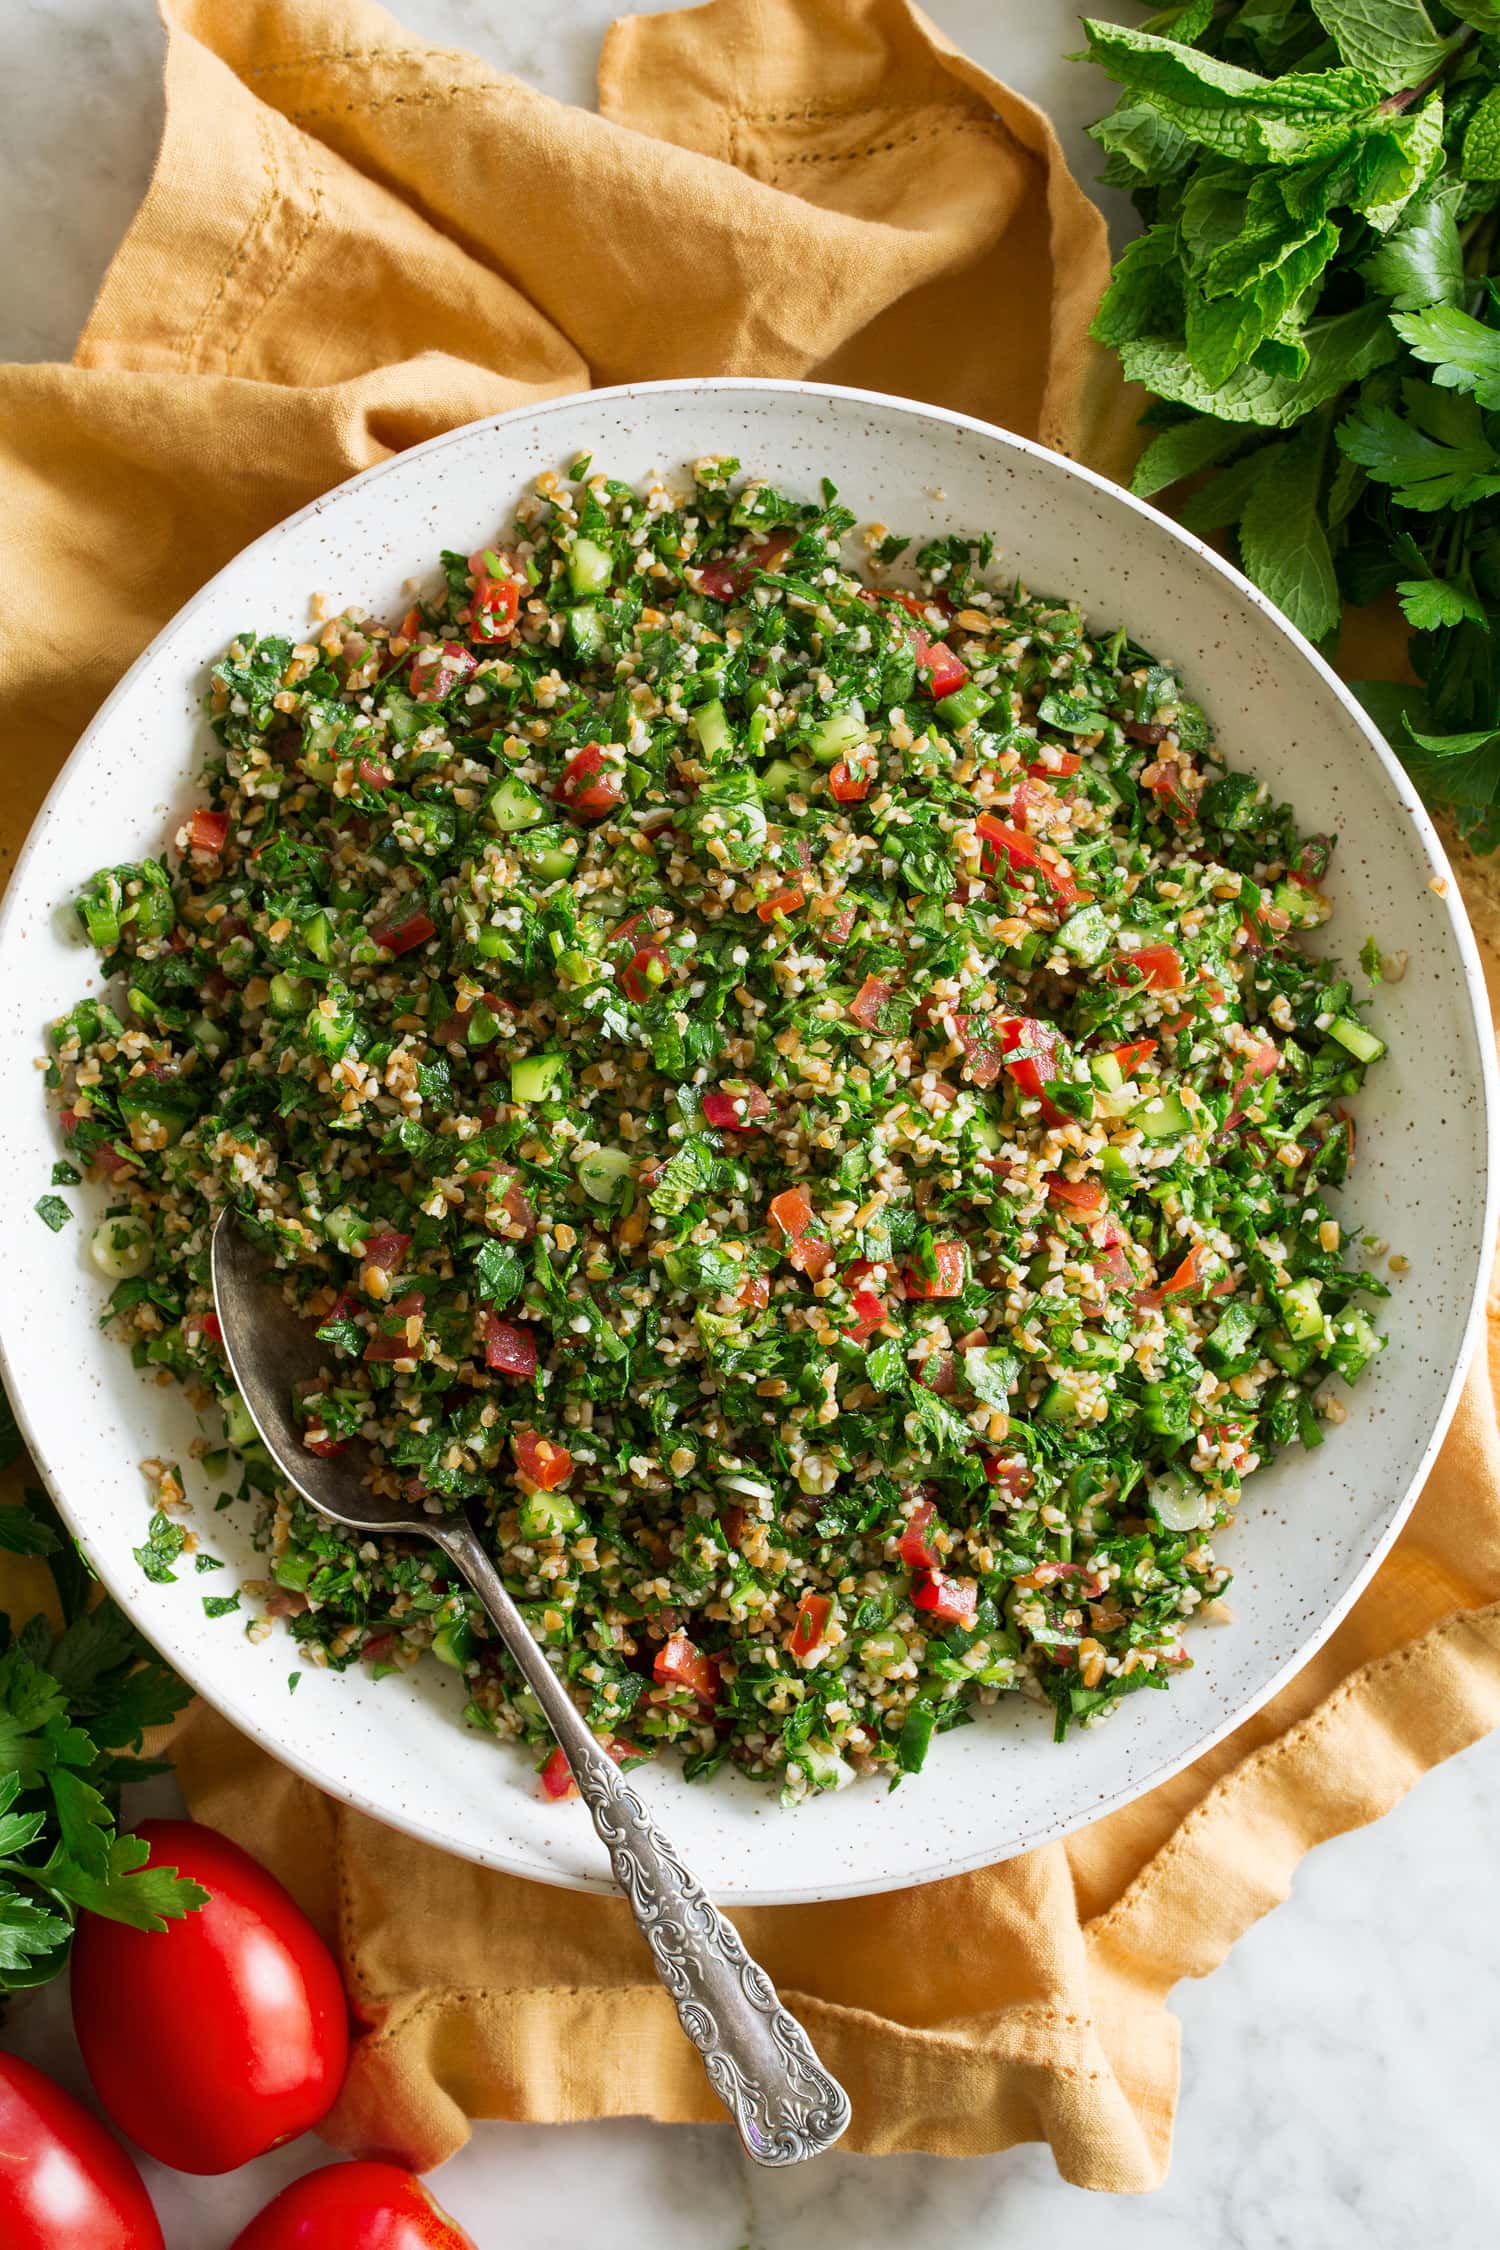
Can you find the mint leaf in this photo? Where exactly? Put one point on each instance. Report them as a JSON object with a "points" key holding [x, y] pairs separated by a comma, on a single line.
{"points": [[1391, 41], [1220, 503], [1184, 449], [1422, 261], [1144, 297], [1340, 351], [146, 1898], [1283, 544], [1435, 456], [1463, 354], [1481, 150], [1221, 332], [1144, 147], [1431, 602], [1229, 110]]}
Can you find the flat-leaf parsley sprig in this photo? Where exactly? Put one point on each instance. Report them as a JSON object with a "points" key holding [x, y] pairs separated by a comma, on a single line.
{"points": [[1313, 307]]}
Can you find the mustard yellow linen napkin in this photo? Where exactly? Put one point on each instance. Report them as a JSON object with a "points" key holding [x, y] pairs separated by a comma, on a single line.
{"points": [[353, 241]]}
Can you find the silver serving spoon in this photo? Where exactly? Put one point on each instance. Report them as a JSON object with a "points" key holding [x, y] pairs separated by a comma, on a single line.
{"points": [[759, 2060]]}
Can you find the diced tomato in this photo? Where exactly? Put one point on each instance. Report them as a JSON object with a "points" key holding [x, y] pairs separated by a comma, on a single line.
{"points": [[979, 1038], [1261, 1063], [782, 902], [326, 1448], [208, 831], [494, 606], [401, 937], [411, 624], [810, 1255], [1010, 851], [374, 773], [756, 1292], [810, 1624], [737, 1111], [721, 581], [397, 1346], [942, 672], [938, 1372], [540, 1460], [590, 785], [847, 786], [1033, 1071], [205, 1324], [732, 575], [645, 973], [869, 1313], [915, 1548], [792, 1213], [1067, 763], [385, 1249], [837, 928], [509, 1349], [680, 1664], [1132, 1054], [1084, 1196], [1159, 968], [1187, 1275], [557, 1776], [438, 669], [867, 1003], [1012, 1479], [947, 1281], [949, 1601]]}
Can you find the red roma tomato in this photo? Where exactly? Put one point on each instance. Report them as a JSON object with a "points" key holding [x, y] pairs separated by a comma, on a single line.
{"points": [[226, 2034], [65, 2184], [354, 2207]]}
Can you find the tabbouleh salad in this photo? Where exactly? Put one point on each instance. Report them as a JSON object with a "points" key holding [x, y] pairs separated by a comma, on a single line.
{"points": [[799, 1102]]}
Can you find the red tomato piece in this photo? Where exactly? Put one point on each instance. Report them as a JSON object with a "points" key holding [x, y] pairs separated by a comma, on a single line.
{"points": [[867, 1003], [1033, 1070], [1012, 1478], [811, 1256], [374, 773], [508, 1348], [204, 1324], [948, 1280], [208, 831], [557, 1776], [782, 902], [438, 669], [223, 2035], [397, 1344], [1133, 1053], [326, 1448], [65, 2183], [1008, 850], [540, 1459], [810, 1624], [386, 1249], [840, 923], [494, 606], [978, 1039], [736, 1107], [756, 1292], [732, 575], [645, 973], [915, 1548], [401, 937], [1187, 1274], [869, 1314], [949, 1601], [792, 1213], [680, 1663], [942, 672], [591, 786], [1083, 1196], [1158, 967], [360, 2206], [1060, 767], [847, 786], [1261, 1063], [938, 1372]]}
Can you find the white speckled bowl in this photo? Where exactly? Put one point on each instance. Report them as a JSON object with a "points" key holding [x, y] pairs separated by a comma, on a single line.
{"points": [[1311, 1531]]}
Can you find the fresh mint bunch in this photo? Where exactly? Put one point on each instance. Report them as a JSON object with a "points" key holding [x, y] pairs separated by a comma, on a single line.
{"points": [[1312, 306], [74, 1706]]}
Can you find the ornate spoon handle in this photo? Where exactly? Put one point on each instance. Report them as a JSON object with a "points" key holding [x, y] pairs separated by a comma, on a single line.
{"points": [[760, 2061]]}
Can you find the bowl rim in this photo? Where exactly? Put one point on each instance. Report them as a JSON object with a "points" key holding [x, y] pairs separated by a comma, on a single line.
{"points": [[345, 1788]]}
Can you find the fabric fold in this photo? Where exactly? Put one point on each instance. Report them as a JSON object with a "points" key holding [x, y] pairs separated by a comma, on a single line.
{"points": [[354, 241]]}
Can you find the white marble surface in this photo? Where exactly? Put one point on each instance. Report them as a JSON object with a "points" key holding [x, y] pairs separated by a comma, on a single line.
{"points": [[1341, 2070]]}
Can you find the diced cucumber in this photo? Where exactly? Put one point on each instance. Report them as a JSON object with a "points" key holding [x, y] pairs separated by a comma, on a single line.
{"points": [[537, 1078], [345, 1227], [551, 858], [1092, 1348], [238, 1427], [1301, 1310], [1026, 949], [1162, 1118], [781, 778], [288, 995], [147, 1102], [834, 737], [1060, 1403], [964, 704], [453, 1642], [1166, 1409], [586, 635], [1360, 1043], [1233, 1337], [209, 1038], [1355, 1343], [1086, 934], [1114, 1167], [317, 936], [557, 1605], [590, 567], [1179, 1501], [1107, 1071], [1303, 907], [710, 723], [122, 1248], [511, 806], [546, 1515], [604, 1174], [1292, 1359]]}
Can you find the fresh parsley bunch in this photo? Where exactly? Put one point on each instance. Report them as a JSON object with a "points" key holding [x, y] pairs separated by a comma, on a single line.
{"points": [[73, 1708], [1312, 306]]}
